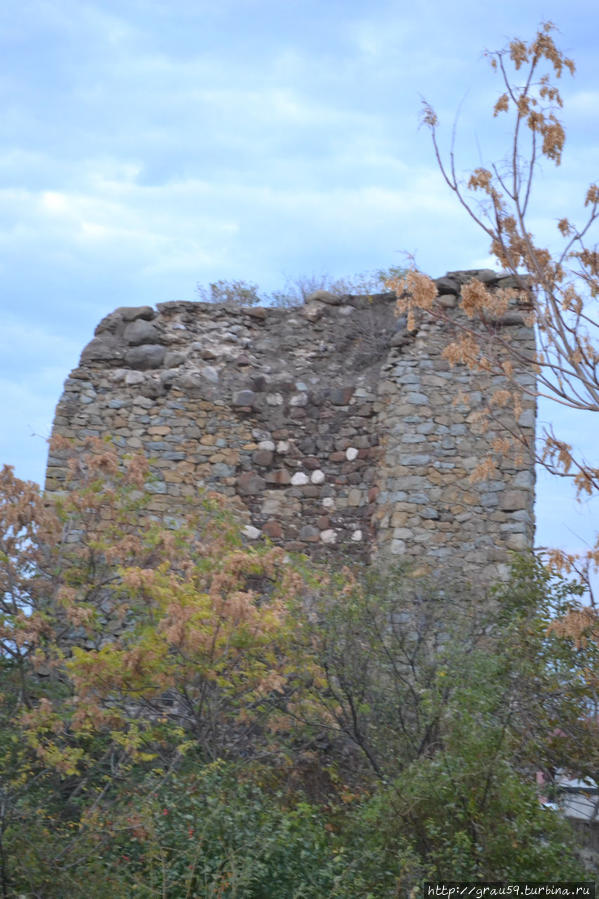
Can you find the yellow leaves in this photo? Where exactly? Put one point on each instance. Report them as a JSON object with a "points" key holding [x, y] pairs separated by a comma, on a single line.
{"points": [[137, 471], [131, 740], [557, 452], [524, 102], [571, 301], [196, 627], [65, 760], [428, 116], [463, 351], [535, 121], [239, 608], [585, 481], [42, 717], [193, 632], [475, 298], [414, 291], [129, 546], [80, 615], [273, 682], [535, 101], [590, 262], [592, 197], [502, 105], [139, 579], [107, 463], [518, 53], [580, 625], [551, 94], [43, 730], [480, 179], [554, 138], [91, 717], [146, 756], [544, 46]]}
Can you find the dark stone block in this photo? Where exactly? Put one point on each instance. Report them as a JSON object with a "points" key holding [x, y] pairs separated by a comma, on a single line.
{"points": [[263, 458], [102, 349], [141, 332], [132, 313], [447, 285], [340, 396], [145, 357], [244, 398]]}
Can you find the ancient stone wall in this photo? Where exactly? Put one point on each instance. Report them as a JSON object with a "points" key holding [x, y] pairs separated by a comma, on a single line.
{"points": [[332, 428]]}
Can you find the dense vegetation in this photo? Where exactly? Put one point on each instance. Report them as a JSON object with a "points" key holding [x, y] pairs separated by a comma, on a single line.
{"points": [[183, 716]]}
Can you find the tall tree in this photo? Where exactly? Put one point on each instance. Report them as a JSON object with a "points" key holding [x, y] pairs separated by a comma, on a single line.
{"points": [[555, 292]]}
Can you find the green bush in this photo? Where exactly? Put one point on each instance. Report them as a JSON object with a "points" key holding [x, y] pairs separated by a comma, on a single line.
{"points": [[210, 832]]}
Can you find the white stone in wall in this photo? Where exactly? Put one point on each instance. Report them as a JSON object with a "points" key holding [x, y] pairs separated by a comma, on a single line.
{"points": [[351, 453], [328, 536], [317, 477], [299, 399], [299, 479]]}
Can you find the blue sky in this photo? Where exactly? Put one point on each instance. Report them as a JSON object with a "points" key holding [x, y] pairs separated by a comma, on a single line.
{"points": [[148, 145]]}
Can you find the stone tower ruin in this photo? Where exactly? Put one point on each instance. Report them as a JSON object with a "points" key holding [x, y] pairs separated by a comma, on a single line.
{"points": [[332, 429]]}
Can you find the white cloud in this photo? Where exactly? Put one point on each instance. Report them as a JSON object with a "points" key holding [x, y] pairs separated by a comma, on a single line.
{"points": [[585, 102]]}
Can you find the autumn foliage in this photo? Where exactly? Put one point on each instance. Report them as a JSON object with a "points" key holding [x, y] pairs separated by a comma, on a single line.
{"points": [[126, 642], [182, 715], [556, 292]]}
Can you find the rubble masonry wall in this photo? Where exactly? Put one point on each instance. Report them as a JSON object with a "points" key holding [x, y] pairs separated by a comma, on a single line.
{"points": [[332, 429]]}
